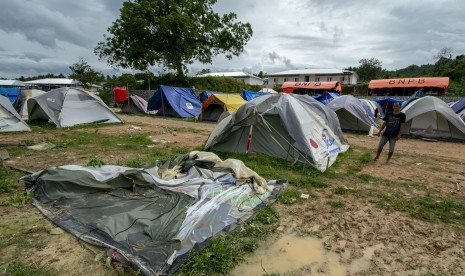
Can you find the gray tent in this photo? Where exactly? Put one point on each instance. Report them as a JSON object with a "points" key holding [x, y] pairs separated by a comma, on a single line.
{"points": [[154, 218], [293, 127], [431, 117], [10, 120], [20, 104], [70, 106], [134, 104], [352, 115]]}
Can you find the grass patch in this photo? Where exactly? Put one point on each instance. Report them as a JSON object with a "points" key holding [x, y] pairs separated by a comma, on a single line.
{"points": [[426, 208], [19, 199], [20, 268], [289, 196], [336, 204], [340, 191], [8, 179], [94, 161]]}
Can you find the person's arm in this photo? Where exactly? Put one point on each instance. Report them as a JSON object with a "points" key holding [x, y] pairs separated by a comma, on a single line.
{"points": [[382, 128]]}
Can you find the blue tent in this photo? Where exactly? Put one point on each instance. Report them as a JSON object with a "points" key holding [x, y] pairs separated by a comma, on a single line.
{"points": [[387, 103], [10, 93], [250, 95], [459, 106], [206, 94], [175, 101], [326, 97]]}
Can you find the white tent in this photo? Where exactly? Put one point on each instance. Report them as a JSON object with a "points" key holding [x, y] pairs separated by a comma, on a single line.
{"points": [[268, 90], [10, 120], [70, 106], [20, 104], [351, 113], [431, 117]]}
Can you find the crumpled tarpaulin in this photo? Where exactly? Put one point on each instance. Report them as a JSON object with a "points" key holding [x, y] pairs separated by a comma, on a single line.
{"points": [[157, 216]]}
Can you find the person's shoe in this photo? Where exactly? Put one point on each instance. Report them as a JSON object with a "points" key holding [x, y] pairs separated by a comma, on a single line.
{"points": [[375, 158], [388, 162]]}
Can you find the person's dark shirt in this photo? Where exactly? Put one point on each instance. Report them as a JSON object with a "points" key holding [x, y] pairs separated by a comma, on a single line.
{"points": [[393, 122]]}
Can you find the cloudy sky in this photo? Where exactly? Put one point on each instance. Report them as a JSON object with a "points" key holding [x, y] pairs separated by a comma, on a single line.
{"points": [[47, 36]]}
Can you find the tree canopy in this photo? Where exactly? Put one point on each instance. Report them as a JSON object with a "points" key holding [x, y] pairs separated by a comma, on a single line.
{"points": [[171, 33], [84, 73]]}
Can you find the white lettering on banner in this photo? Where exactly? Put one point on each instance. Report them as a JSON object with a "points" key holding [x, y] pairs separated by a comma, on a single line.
{"points": [[51, 100], [189, 106]]}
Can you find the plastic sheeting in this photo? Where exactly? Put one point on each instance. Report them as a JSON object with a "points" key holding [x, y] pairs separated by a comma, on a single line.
{"points": [[152, 222]]}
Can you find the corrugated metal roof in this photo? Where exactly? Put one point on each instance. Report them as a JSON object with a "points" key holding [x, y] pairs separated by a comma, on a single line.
{"points": [[11, 83], [314, 71], [230, 74], [52, 81]]}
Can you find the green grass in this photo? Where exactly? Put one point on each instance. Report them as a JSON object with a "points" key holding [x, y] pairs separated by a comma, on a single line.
{"points": [[95, 162], [8, 179], [289, 196], [20, 268], [336, 204]]}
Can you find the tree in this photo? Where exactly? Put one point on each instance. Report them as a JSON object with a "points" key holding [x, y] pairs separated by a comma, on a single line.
{"points": [[443, 60], [172, 34], [203, 72], [369, 69], [83, 72]]}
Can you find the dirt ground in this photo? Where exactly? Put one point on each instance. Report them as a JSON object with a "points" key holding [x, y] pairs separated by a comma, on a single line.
{"points": [[368, 240]]}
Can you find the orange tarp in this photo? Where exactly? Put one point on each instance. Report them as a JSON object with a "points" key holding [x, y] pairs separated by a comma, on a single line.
{"points": [[289, 87], [442, 82]]}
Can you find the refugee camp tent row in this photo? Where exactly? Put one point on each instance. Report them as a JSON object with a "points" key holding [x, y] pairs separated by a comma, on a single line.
{"points": [[387, 103], [10, 120], [293, 127], [250, 95], [134, 105], [326, 98], [216, 104], [145, 216], [206, 94], [69, 106], [351, 114], [406, 87], [312, 88], [175, 102], [431, 117], [20, 104]]}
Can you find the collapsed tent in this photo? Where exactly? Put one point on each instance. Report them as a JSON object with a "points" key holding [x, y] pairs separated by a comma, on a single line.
{"points": [[175, 102], [406, 87], [312, 88], [326, 97], [351, 113], [250, 95], [216, 104], [10, 120], [296, 128], [431, 117], [20, 104], [69, 106], [154, 218], [134, 104]]}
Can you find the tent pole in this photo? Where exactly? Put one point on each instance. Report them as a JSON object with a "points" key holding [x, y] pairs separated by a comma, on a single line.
{"points": [[249, 138], [162, 104]]}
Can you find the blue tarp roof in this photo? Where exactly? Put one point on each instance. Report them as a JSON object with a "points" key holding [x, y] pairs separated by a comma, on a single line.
{"points": [[459, 106], [250, 95], [183, 101], [326, 98], [415, 96], [206, 94], [10, 93]]}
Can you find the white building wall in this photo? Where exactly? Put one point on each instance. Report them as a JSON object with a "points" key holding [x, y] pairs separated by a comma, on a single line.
{"points": [[344, 79]]}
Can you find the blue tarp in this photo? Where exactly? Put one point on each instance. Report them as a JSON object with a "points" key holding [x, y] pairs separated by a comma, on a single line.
{"points": [[10, 93], [206, 94], [387, 103], [175, 101], [326, 98], [459, 106], [415, 96], [368, 110], [250, 95]]}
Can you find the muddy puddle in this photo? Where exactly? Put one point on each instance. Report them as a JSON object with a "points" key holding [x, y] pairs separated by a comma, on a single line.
{"points": [[304, 255]]}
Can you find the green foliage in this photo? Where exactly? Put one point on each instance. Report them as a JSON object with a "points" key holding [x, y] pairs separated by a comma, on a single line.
{"points": [[19, 199], [94, 161], [84, 73], [19, 268], [171, 33], [289, 196], [365, 158], [340, 191], [369, 69], [8, 180], [268, 215]]}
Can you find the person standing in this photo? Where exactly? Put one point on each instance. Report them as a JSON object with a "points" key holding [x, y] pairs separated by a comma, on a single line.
{"points": [[393, 124]]}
